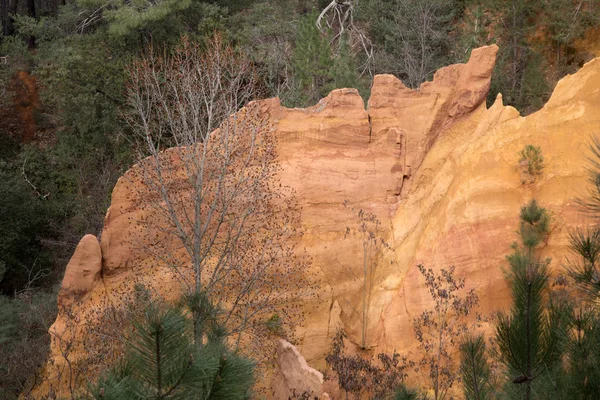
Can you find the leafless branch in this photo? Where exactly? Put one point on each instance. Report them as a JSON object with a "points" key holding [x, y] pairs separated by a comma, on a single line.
{"points": [[215, 192], [35, 189], [339, 17]]}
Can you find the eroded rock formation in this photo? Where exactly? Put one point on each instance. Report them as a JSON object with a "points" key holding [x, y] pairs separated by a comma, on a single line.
{"points": [[437, 167], [293, 376]]}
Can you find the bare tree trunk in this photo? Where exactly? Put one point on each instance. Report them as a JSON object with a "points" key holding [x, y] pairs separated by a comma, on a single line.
{"points": [[4, 16], [9, 9], [515, 46], [31, 13]]}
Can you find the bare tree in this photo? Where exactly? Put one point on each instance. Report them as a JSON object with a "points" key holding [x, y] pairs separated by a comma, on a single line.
{"points": [[364, 375], [374, 248], [438, 330], [416, 37], [339, 17], [216, 193]]}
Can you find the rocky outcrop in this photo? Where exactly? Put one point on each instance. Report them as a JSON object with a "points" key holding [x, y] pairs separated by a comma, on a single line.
{"points": [[82, 271], [437, 167], [293, 377]]}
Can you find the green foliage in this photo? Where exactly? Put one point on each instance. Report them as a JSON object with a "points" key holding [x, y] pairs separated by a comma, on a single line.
{"points": [[591, 202], [204, 316], [163, 363], [405, 393], [582, 380], [19, 58], [583, 355], [522, 73], [134, 16], [534, 227], [583, 268], [79, 64], [473, 32], [275, 325], [531, 163], [297, 62], [23, 222], [530, 336], [413, 36], [267, 32], [474, 369], [345, 74], [312, 61], [566, 21], [24, 340], [7, 317]]}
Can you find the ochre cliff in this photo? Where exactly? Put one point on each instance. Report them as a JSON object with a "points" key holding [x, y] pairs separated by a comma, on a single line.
{"points": [[438, 169]]}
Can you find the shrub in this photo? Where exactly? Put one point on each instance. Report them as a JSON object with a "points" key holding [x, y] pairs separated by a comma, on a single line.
{"points": [[531, 163]]}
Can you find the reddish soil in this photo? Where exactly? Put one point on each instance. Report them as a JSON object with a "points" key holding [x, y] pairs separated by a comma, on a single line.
{"points": [[17, 118]]}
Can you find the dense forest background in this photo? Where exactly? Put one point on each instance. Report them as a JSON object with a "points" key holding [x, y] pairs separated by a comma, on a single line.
{"points": [[64, 141]]}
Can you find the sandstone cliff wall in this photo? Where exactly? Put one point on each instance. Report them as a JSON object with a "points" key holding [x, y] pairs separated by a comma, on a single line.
{"points": [[439, 170]]}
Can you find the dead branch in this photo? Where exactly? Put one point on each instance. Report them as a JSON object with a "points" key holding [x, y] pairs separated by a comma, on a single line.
{"points": [[339, 17], [35, 189]]}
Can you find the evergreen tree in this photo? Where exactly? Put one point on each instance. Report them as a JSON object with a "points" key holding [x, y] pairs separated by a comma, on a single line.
{"points": [[312, 61], [473, 32], [163, 363], [565, 22], [345, 73], [583, 355], [585, 244], [474, 369], [24, 340], [583, 348], [406, 393], [529, 336], [520, 69], [23, 221], [413, 36]]}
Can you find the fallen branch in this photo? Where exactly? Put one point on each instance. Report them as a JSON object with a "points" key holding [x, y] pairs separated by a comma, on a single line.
{"points": [[35, 189]]}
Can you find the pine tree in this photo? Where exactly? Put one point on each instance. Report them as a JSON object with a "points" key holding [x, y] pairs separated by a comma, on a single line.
{"points": [[406, 393], [473, 32], [312, 61], [474, 369], [412, 36], [585, 244], [583, 267], [345, 73], [163, 363], [529, 335], [519, 72], [583, 355]]}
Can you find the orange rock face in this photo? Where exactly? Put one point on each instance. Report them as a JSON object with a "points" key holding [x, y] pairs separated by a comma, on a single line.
{"points": [[440, 171], [82, 271]]}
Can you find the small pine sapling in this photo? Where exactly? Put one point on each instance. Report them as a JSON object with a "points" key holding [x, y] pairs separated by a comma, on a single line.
{"points": [[474, 369], [531, 163], [529, 336]]}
